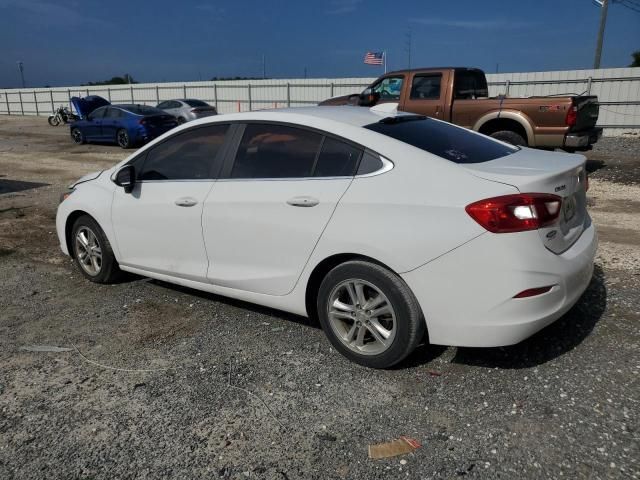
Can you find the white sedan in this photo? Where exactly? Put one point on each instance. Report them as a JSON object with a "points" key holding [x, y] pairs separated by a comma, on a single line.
{"points": [[390, 229]]}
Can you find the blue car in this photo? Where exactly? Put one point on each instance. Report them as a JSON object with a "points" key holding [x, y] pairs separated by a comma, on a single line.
{"points": [[126, 125]]}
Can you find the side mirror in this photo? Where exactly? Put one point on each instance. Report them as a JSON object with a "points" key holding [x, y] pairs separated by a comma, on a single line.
{"points": [[368, 98], [126, 178]]}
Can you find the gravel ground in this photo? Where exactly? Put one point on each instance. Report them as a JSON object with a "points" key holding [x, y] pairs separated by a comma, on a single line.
{"points": [[164, 382]]}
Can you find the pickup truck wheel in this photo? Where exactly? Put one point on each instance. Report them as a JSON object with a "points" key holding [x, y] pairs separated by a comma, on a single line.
{"points": [[510, 137]]}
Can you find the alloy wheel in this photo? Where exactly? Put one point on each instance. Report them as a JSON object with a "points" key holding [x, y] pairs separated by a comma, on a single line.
{"points": [[362, 317], [123, 139], [88, 251], [77, 135]]}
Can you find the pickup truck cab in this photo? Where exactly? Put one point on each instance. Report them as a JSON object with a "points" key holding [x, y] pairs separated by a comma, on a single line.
{"points": [[461, 96]]}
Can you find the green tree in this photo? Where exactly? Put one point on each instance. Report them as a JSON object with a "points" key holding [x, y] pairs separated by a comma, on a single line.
{"points": [[636, 59], [123, 80]]}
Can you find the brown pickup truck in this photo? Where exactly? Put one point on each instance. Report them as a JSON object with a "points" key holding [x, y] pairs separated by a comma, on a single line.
{"points": [[461, 96]]}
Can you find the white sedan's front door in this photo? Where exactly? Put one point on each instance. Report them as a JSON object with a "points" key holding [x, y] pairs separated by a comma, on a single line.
{"points": [[158, 226]]}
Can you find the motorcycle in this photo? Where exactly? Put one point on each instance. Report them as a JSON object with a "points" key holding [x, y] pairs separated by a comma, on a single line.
{"points": [[62, 114]]}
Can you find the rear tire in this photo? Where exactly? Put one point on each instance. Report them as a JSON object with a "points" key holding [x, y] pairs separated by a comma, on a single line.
{"points": [[54, 120], [181, 120], [511, 137], [92, 251], [123, 139], [369, 314]]}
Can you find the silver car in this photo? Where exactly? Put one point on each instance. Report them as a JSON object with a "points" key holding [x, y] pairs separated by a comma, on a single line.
{"points": [[187, 109]]}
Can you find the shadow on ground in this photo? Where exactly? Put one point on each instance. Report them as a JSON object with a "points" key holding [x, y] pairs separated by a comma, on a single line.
{"points": [[10, 186], [553, 341]]}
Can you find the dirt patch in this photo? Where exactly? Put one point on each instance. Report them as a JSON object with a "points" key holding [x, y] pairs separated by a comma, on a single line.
{"points": [[153, 322]]}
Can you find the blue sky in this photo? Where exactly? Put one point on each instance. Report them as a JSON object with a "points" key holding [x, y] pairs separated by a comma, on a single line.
{"points": [[67, 42]]}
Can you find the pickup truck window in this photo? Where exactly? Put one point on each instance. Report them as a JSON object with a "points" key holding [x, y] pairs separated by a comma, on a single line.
{"points": [[442, 139], [470, 84], [389, 88], [426, 87]]}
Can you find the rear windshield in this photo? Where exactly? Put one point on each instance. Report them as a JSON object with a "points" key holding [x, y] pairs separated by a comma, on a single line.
{"points": [[142, 110], [196, 103], [442, 139]]}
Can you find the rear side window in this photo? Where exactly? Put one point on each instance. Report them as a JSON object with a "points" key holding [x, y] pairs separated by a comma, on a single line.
{"points": [[426, 87], [470, 84], [369, 164], [187, 156], [196, 103], [443, 139], [336, 159], [275, 151]]}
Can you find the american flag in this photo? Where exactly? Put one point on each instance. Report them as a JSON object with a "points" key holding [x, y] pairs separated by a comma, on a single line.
{"points": [[373, 58]]}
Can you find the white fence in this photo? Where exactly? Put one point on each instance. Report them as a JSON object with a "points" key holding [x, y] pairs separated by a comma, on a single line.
{"points": [[618, 90]]}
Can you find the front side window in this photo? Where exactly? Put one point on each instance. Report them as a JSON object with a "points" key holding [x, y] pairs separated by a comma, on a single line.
{"points": [[97, 113], [442, 139], [426, 87], [113, 113], [389, 88], [186, 156], [275, 151]]}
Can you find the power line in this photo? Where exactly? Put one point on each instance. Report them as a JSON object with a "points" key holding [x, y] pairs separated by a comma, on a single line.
{"points": [[632, 6]]}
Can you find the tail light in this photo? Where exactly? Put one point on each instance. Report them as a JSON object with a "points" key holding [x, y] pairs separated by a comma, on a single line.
{"points": [[516, 213], [572, 116], [194, 110], [143, 121]]}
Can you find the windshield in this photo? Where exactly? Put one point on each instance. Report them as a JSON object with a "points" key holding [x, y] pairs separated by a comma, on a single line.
{"points": [[196, 103], [142, 110], [442, 139]]}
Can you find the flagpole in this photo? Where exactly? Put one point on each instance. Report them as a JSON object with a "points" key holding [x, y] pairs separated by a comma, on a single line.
{"points": [[384, 56]]}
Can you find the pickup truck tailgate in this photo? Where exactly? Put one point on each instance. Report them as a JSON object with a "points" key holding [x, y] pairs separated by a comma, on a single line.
{"points": [[561, 174]]}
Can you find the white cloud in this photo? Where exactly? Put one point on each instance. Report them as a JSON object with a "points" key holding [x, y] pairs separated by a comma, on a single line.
{"points": [[340, 7], [488, 24], [53, 13]]}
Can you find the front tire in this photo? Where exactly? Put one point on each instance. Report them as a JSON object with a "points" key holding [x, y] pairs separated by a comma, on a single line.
{"points": [[511, 137], [54, 120], [92, 251], [369, 314], [78, 136], [123, 139]]}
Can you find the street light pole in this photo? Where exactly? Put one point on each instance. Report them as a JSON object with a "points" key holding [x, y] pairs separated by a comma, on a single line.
{"points": [[604, 4], [21, 68]]}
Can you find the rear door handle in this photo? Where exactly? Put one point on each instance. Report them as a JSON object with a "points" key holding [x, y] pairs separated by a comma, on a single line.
{"points": [[303, 201], [186, 202]]}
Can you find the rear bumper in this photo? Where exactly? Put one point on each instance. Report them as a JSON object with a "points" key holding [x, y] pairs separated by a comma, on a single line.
{"points": [[467, 295], [582, 140]]}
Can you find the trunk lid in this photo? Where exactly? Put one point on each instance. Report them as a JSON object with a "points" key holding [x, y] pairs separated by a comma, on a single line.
{"points": [[534, 171]]}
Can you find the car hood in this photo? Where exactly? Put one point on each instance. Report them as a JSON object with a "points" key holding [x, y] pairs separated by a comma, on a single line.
{"points": [[85, 105], [86, 178], [342, 100]]}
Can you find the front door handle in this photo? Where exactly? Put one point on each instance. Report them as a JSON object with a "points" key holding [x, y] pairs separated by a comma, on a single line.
{"points": [[186, 202], [303, 201]]}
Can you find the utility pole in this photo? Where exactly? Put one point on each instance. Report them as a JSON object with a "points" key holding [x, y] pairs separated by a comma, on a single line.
{"points": [[21, 68], [604, 5], [407, 43]]}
